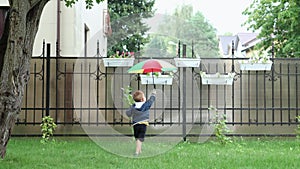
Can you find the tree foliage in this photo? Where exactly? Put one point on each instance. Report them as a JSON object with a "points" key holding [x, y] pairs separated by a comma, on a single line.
{"points": [[89, 3], [188, 28], [278, 22], [128, 30]]}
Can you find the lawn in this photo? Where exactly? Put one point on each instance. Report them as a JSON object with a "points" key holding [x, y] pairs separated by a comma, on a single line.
{"points": [[23, 153]]}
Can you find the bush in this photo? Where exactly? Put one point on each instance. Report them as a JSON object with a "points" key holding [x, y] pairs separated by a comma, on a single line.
{"points": [[220, 127], [48, 127]]}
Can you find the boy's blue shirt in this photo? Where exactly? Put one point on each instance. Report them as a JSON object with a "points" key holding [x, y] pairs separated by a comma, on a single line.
{"points": [[142, 113]]}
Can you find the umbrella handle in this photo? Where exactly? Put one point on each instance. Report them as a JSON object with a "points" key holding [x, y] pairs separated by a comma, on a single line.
{"points": [[153, 80]]}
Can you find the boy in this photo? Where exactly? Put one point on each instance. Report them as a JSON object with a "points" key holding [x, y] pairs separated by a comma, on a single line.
{"points": [[139, 112]]}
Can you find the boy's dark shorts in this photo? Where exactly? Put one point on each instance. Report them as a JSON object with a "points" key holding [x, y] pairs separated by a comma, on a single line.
{"points": [[139, 131]]}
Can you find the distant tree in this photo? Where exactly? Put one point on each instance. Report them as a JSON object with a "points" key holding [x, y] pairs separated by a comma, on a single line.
{"points": [[128, 30], [188, 28], [228, 34], [203, 36], [278, 22]]}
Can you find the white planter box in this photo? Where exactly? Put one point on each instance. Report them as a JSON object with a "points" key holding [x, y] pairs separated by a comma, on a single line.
{"points": [[161, 79], [118, 62], [217, 79], [255, 66], [187, 62]]}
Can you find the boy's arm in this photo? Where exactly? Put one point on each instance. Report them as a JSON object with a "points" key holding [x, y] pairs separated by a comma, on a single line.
{"points": [[153, 96], [129, 112], [147, 105], [153, 93]]}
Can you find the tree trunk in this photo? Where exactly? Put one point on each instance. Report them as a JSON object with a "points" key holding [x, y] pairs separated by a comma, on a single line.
{"points": [[15, 53]]}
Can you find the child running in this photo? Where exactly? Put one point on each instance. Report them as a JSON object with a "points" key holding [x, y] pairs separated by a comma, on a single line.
{"points": [[139, 112]]}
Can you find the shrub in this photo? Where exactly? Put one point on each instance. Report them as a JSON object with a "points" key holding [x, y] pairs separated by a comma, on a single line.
{"points": [[48, 127], [220, 127], [298, 128]]}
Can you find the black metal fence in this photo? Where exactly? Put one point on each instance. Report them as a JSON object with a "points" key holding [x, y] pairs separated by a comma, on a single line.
{"points": [[80, 92]]}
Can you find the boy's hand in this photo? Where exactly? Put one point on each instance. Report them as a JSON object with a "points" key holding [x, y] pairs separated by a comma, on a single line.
{"points": [[154, 92]]}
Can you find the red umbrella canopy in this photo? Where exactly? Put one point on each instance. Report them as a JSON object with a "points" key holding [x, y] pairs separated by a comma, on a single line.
{"points": [[152, 65]]}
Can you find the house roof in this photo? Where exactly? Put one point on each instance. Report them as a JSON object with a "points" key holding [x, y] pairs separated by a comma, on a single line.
{"points": [[246, 38], [225, 42]]}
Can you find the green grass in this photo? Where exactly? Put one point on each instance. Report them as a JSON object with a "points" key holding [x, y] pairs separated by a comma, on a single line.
{"points": [[23, 153]]}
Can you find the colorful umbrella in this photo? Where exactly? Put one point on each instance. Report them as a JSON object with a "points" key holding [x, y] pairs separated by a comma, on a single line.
{"points": [[152, 65]]}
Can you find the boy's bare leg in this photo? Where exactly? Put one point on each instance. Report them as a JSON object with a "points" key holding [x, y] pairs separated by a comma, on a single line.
{"points": [[138, 149]]}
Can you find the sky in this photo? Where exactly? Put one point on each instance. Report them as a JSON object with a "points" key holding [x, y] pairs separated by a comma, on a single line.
{"points": [[224, 15]]}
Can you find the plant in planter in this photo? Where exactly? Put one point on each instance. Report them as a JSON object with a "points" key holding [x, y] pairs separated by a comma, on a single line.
{"points": [[124, 59], [154, 71], [122, 55], [157, 78], [217, 78], [187, 62], [257, 62]]}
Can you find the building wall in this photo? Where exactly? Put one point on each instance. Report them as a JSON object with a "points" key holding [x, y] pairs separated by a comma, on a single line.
{"points": [[72, 29]]}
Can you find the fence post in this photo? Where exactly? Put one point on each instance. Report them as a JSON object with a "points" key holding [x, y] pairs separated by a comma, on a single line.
{"points": [[48, 80], [184, 97]]}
